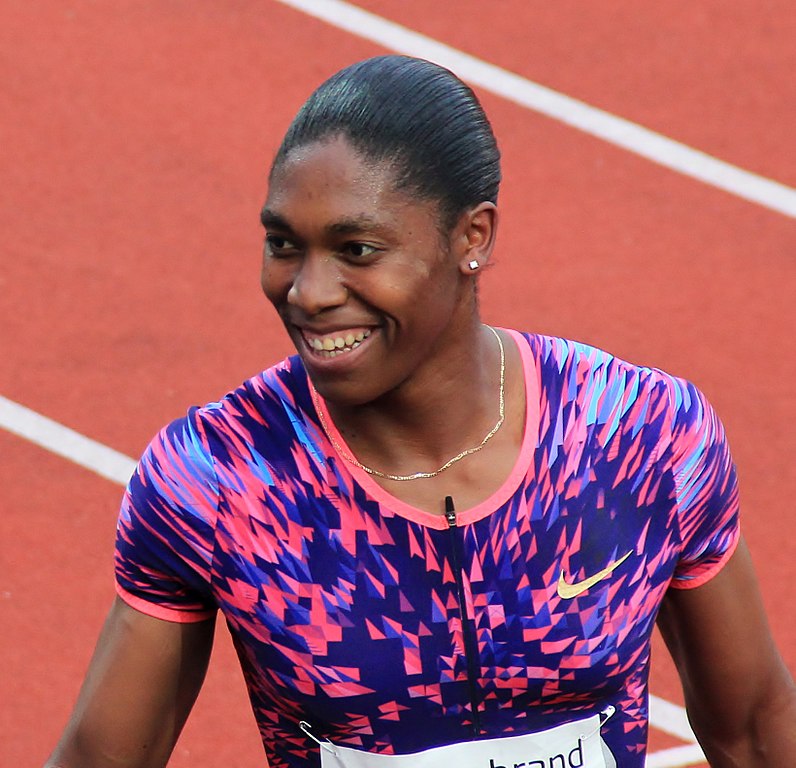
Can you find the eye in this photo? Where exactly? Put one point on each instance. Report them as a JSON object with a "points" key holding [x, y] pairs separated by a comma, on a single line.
{"points": [[276, 245], [359, 251]]}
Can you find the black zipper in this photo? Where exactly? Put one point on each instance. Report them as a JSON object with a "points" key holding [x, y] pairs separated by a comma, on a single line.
{"points": [[468, 623]]}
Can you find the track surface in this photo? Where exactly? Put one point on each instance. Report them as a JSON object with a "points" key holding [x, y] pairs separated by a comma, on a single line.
{"points": [[134, 144]]}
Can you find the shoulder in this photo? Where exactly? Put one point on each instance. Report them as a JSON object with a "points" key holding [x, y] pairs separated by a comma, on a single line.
{"points": [[261, 410], [646, 417], [264, 431], [577, 368], [188, 451], [264, 395], [607, 388]]}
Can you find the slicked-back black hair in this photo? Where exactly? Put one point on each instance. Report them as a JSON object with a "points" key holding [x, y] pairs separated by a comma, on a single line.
{"points": [[414, 115]]}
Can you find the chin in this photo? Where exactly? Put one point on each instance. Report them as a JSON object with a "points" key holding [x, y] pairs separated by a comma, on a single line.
{"points": [[341, 393]]}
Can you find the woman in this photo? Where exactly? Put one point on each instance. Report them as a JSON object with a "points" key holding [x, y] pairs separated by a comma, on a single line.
{"points": [[425, 532]]}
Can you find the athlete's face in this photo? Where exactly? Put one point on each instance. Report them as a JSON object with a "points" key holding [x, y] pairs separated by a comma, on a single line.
{"points": [[358, 271]]}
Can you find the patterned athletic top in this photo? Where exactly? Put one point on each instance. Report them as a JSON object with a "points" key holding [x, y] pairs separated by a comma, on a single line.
{"points": [[393, 630]]}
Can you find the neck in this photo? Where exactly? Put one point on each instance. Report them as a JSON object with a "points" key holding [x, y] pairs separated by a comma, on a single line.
{"points": [[447, 407]]}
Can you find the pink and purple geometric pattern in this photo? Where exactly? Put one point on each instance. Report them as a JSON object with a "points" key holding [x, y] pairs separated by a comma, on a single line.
{"points": [[391, 631]]}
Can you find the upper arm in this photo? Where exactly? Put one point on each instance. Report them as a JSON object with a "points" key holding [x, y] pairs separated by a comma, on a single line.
{"points": [[740, 697], [141, 683]]}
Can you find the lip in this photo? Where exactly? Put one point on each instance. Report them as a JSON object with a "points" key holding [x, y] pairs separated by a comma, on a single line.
{"points": [[332, 361], [332, 330]]}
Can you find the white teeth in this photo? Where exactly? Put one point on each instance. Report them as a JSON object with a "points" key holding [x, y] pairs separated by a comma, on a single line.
{"points": [[332, 346]]}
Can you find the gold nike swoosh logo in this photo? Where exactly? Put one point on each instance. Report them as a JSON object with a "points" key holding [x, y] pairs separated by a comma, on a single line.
{"points": [[568, 591]]}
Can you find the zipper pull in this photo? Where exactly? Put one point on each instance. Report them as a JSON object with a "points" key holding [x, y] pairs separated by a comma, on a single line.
{"points": [[450, 512]]}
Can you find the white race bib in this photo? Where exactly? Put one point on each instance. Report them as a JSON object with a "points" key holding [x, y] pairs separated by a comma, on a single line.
{"points": [[572, 745]]}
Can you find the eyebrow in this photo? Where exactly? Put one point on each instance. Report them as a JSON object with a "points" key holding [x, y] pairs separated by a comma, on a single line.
{"points": [[269, 218], [355, 224], [348, 226]]}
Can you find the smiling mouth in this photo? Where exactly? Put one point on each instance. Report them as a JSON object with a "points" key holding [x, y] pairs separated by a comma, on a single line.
{"points": [[333, 345]]}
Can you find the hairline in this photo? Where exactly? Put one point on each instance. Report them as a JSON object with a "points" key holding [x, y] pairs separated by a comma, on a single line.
{"points": [[397, 165]]}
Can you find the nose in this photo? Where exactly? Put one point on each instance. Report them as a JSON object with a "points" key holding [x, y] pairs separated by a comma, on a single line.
{"points": [[317, 285]]}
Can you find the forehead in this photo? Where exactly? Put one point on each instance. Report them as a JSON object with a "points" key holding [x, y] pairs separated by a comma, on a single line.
{"points": [[331, 162], [331, 180]]}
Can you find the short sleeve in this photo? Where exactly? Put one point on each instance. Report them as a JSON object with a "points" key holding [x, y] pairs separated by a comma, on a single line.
{"points": [[166, 527], [706, 487]]}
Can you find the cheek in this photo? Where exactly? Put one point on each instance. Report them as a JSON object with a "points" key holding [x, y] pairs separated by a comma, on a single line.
{"points": [[436, 282], [265, 281], [275, 280]]}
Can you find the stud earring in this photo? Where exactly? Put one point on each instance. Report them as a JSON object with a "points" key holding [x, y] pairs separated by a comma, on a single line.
{"points": [[473, 265]]}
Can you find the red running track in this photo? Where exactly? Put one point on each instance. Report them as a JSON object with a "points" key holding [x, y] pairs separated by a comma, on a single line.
{"points": [[134, 144]]}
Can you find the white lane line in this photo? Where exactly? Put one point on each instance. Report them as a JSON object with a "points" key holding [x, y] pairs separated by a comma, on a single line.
{"points": [[676, 757], [672, 719], [115, 466], [615, 130], [65, 442]]}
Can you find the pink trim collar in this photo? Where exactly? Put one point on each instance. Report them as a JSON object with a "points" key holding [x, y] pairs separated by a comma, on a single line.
{"points": [[522, 466]]}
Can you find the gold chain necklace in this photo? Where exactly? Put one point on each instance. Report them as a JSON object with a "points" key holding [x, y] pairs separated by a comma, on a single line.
{"points": [[458, 457]]}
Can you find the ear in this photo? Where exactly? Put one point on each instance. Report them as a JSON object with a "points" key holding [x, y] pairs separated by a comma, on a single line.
{"points": [[474, 237]]}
